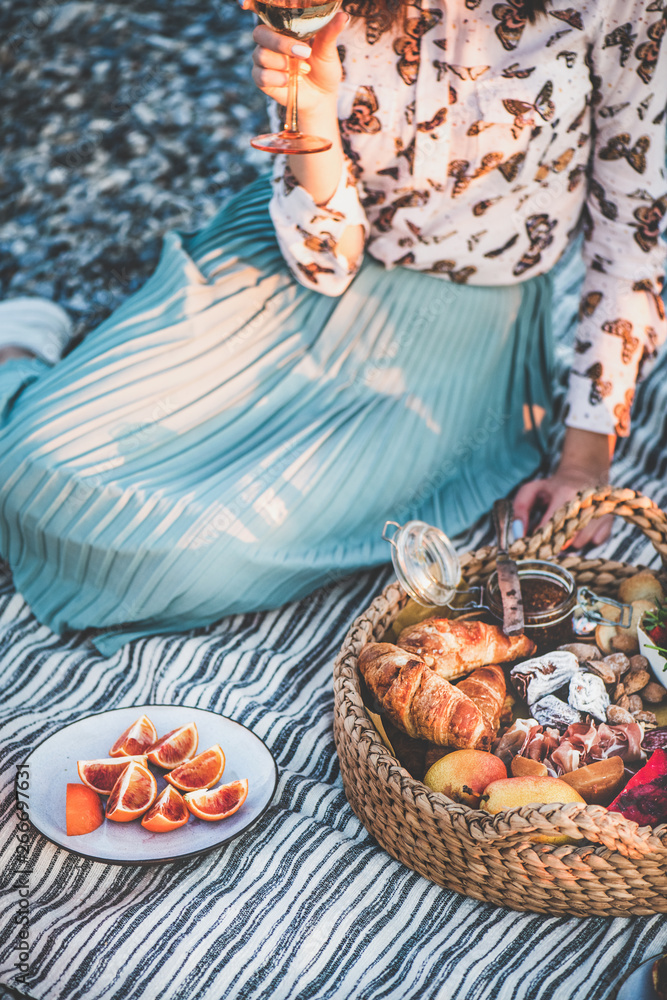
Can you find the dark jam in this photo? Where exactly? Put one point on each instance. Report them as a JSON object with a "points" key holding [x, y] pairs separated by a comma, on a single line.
{"points": [[549, 598], [548, 607], [540, 594]]}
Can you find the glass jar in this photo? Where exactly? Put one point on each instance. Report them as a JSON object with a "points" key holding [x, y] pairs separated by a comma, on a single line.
{"points": [[549, 598], [428, 568], [425, 561]]}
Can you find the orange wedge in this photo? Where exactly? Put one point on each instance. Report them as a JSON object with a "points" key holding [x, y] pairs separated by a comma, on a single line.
{"points": [[217, 803], [83, 810], [102, 774], [132, 795], [136, 739], [168, 813], [175, 748], [200, 772]]}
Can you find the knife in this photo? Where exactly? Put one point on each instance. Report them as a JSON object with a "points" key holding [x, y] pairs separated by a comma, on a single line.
{"points": [[508, 575]]}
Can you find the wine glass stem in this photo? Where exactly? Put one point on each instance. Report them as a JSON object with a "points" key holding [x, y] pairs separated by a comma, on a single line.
{"points": [[291, 109]]}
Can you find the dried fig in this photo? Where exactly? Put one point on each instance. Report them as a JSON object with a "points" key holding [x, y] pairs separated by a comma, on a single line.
{"points": [[619, 691], [624, 641], [638, 662], [623, 702], [634, 704]]}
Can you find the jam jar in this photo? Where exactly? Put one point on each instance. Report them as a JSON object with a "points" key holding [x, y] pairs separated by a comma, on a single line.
{"points": [[428, 568], [549, 599]]}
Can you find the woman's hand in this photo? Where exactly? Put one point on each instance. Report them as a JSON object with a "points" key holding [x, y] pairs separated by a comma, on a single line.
{"points": [[584, 463], [320, 74]]}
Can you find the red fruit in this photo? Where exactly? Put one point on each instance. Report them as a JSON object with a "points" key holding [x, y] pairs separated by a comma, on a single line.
{"points": [[83, 810], [132, 795], [659, 635], [217, 803], [644, 798], [201, 772], [168, 812], [175, 748], [101, 775], [136, 739]]}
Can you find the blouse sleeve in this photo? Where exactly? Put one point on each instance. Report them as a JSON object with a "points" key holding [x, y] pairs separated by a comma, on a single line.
{"points": [[621, 316], [308, 234]]}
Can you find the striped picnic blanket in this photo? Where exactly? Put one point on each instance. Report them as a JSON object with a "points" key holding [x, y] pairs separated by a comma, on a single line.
{"points": [[303, 905]]}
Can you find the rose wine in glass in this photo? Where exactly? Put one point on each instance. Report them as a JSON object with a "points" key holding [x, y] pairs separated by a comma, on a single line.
{"points": [[300, 19]]}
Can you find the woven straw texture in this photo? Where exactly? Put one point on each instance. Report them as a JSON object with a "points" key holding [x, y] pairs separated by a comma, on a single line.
{"points": [[620, 869]]}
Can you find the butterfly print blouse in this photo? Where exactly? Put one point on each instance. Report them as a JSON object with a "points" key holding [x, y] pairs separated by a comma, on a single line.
{"points": [[477, 144]]}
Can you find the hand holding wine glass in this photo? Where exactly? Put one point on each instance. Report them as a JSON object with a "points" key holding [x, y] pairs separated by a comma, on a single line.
{"points": [[279, 61]]}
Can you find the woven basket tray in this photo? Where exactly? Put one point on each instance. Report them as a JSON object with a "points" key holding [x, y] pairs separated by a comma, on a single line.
{"points": [[620, 869]]}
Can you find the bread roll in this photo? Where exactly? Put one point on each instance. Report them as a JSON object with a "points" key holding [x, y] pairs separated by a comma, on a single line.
{"points": [[455, 648], [421, 703], [486, 687]]}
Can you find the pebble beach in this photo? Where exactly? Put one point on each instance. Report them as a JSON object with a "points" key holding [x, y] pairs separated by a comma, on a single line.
{"points": [[120, 122]]}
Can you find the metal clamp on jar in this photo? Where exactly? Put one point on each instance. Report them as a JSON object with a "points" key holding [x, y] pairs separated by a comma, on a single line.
{"points": [[428, 568]]}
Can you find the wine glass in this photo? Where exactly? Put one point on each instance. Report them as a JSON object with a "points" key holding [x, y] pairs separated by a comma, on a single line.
{"points": [[300, 19]]}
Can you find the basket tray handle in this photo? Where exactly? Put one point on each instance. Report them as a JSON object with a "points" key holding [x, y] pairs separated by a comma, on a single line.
{"points": [[631, 505], [593, 824]]}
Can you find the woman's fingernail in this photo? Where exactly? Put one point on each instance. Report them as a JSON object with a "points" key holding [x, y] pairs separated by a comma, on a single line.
{"points": [[302, 51], [517, 528]]}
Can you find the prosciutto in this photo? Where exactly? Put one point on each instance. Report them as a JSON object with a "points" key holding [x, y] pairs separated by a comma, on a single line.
{"points": [[582, 743]]}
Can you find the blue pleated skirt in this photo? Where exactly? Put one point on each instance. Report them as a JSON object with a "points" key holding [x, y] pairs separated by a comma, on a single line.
{"points": [[229, 440]]}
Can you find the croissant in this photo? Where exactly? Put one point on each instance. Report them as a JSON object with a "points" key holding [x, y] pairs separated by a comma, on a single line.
{"points": [[486, 687], [454, 648], [420, 702]]}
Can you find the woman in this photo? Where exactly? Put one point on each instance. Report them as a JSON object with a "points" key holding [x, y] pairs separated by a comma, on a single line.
{"points": [[237, 433]]}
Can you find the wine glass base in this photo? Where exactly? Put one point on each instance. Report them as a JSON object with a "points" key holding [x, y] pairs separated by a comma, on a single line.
{"points": [[290, 142]]}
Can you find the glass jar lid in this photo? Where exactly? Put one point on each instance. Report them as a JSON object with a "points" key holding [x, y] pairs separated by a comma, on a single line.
{"points": [[425, 561]]}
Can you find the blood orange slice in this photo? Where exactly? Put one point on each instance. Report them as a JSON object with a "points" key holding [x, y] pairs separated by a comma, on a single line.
{"points": [[175, 748], [168, 813], [83, 810], [200, 772], [218, 803], [132, 795], [101, 775], [136, 739]]}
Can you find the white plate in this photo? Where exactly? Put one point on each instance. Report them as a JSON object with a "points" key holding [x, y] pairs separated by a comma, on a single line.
{"points": [[52, 765], [639, 984]]}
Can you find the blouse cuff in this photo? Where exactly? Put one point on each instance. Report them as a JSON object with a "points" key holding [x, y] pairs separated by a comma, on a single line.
{"points": [[308, 234], [621, 326]]}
